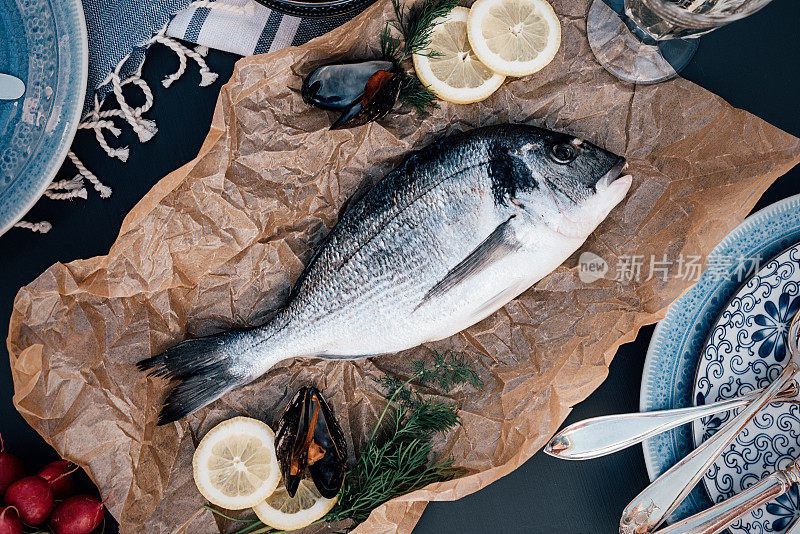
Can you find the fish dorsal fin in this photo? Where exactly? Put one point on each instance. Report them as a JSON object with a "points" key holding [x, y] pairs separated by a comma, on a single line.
{"points": [[499, 244]]}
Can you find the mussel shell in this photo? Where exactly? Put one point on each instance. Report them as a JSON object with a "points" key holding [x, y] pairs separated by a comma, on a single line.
{"points": [[338, 86], [378, 107], [293, 427], [347, 115], [328, 472], [286, 438]]}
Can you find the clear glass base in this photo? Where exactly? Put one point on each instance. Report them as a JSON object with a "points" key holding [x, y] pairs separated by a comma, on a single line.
{"points": [[632, 58]]}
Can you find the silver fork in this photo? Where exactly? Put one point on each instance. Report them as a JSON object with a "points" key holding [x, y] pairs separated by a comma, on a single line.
{"points": [[652, 506]]}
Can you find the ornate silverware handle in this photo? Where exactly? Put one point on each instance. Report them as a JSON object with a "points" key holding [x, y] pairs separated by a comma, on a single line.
{"points": [[649, 509], [652, 506], [719, 516], [611, 433]]}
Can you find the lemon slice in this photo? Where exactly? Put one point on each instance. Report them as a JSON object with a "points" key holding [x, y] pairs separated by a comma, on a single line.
{"points": [[290, 513], [514, 37], [235, 466], [454, 72]]}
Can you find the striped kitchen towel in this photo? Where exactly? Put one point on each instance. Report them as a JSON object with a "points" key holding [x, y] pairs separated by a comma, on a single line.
{"points": [[246, 28], [121, 32]]}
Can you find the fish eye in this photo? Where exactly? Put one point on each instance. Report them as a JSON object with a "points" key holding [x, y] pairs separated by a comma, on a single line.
{"points": [[563, 153]]}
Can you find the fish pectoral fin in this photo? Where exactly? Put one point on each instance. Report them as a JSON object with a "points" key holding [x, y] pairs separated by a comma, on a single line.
{"points": [[499, 300], [501, 242]]}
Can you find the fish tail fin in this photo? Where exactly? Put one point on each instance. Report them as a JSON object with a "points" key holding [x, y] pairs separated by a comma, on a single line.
{"points": [[204, 369]]}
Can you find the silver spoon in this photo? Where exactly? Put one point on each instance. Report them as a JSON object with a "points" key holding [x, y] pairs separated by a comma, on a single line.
{"points": [[599, 436], [11, 87], [652, 506]]}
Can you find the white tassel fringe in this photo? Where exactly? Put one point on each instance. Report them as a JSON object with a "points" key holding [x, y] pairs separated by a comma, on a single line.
{"points": [[42, 227], [145, 129]]}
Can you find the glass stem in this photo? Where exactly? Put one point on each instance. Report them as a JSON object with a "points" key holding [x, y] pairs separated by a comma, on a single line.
{"points": [[619, 8], [638, 32]]}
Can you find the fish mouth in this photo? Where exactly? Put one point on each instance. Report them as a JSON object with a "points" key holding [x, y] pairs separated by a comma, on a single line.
{"points": [[613, 173]]}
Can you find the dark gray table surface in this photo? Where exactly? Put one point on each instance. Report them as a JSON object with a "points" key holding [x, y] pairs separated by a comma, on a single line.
{"points": [[754, 64]]}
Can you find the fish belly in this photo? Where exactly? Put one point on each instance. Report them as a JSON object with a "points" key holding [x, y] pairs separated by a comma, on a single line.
{"points": [[397, 317]]}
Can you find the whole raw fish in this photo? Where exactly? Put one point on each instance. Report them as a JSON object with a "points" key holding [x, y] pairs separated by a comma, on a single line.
{"points": [[451, 235]]}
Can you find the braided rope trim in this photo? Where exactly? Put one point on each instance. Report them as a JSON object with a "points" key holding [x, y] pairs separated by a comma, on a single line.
{"points": [[145, 129]]}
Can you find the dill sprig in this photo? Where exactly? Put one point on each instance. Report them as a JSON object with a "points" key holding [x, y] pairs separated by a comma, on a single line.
{"points": [[398, 457], [416, 95], [391, 46], [447, 373], [415, 25], [398, 463]]}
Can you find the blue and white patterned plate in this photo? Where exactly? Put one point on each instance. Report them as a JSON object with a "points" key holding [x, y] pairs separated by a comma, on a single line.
{"points": [[44, 43], [674, 353], [746, 350]]}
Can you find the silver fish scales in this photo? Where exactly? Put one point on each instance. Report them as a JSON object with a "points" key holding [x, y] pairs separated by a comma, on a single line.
{"points": [[451, 235]]}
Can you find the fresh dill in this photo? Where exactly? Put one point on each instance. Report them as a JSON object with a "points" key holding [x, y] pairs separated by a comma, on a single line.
{"points": [[446, 373], [416, 95], [398, 457], [415, 26], [391, 46], [416, 23]]}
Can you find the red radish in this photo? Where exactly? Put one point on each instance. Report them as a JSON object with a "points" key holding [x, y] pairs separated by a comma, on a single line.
{"points": [[59, 475], [9, 521], [32, 497], [11, 468], [80, 514]]}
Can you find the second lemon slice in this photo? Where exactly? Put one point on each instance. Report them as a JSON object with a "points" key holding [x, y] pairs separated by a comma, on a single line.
{"points": [[514, 37], [291, 513], [449, 67]]}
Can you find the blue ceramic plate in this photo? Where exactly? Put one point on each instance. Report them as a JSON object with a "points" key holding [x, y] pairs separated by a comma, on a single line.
{"points": [[746, 350], [674, 353], [42, 42]]}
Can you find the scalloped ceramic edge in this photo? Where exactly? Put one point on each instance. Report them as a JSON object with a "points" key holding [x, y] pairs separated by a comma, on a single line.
{"points": [[674, 351], [763, 445], [51, 150]]}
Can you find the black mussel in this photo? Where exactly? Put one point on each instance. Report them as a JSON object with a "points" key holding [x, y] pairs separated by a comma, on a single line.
{"points": [[309, 439], [379, 98], [337, 86]]}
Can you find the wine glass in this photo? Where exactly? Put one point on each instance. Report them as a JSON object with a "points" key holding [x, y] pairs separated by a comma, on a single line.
{"points": [[649, 41]]}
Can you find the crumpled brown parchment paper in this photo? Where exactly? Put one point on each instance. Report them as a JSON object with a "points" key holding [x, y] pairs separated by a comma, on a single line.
{"points": [[219, 242]]}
